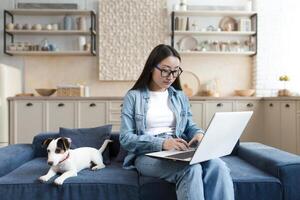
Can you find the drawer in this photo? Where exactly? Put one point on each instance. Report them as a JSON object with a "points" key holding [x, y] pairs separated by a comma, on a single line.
{"points": [[298, 106], [246, 105], [115, 106]]}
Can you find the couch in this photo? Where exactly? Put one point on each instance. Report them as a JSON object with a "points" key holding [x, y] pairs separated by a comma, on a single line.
{"points": [[259, 172]]}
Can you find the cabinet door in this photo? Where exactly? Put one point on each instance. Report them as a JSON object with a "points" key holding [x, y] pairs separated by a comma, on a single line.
{"points": [[212, 107], [253, 131], [28, 121], [60, 114], [92, 114], [114, 114], [272, 123], [288, 126], [197, 111]]}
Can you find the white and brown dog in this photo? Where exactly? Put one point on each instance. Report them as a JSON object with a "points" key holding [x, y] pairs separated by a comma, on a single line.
{"points": [[68, 161]]}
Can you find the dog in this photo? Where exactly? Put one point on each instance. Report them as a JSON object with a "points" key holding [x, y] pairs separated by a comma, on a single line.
{"points": [[68, 161]]}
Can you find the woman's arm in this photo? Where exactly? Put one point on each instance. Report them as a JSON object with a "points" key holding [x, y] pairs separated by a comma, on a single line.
{"points": [[138, 144]]}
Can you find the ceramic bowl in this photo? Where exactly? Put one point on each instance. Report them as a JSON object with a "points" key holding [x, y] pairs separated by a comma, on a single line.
{"points": [[45, 91], [245, 93]]}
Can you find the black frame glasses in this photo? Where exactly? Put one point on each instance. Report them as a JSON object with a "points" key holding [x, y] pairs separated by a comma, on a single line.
{"points": [[166, 73]]}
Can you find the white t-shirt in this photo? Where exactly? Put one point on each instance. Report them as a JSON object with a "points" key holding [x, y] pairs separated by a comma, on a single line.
{"points": [[160, 118]]}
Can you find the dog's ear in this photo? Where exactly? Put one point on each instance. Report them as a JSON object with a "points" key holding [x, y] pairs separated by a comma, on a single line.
{"points": [[65, 142], [46, 142]]}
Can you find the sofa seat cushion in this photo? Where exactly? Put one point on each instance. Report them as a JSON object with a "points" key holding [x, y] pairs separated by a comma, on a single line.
{"points": [[110, 183], [250, 183]]}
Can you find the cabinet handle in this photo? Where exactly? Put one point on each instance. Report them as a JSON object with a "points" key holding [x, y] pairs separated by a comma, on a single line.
{"points": [[29, 104], [92, 105], [287, 105], [249, 105], [219, 105], [271, 105], [121, 105], [61, 105]]}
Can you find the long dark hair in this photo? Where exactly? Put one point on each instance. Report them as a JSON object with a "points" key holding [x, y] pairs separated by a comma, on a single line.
{"points": [[158, 54]]}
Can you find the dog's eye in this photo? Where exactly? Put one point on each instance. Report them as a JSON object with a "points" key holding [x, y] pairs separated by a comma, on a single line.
{"points": [[57, 150], [48, 151]]}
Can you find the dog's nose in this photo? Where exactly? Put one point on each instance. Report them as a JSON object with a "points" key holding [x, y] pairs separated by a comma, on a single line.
{"points": [[50, 163]]}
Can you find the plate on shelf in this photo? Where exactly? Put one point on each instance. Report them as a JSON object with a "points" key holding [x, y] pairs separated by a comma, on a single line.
{"points": [[187, 43], [190, 83], [228, 24]]}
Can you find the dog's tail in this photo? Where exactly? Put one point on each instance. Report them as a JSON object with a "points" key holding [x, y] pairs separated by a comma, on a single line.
{"points": [[104, 145]]}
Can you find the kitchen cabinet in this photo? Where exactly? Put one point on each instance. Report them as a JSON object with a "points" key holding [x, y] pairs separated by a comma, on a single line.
{"points": [[91, 114], [280, 128], [27, 48], [114, 114], [253, 132], [204, 32], [60, 114], [26, 120], [197, 111], [212, 107]]}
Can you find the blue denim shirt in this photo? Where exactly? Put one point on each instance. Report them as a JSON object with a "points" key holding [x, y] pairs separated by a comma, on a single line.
{"points": [[133, 123]]}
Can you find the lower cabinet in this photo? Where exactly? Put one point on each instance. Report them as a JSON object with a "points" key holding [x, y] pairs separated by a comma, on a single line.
{"points": [[197, 112], [91, 114], [254, 129], [60, 114], [280, 125], [26, 120]]}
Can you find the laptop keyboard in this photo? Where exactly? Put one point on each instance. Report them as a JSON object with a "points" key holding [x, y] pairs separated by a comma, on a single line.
{"points": [[183, 155]]}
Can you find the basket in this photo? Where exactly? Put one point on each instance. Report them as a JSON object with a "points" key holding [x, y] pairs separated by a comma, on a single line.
{"points": [[70, 91]]}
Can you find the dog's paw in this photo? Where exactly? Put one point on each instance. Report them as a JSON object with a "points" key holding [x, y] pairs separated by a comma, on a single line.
{"points": [[98, 167], [43, 179], [58, 181]]}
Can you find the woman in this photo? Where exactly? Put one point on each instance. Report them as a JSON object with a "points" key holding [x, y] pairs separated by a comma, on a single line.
{"points": [[156, 116]]}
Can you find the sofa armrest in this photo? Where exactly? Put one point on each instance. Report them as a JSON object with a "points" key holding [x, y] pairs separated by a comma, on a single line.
{"points": [[283, 165], [13, 156]]}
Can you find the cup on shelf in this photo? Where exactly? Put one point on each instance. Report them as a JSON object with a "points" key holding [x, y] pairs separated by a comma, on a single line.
{"points": [[68, 22], [36, 27], [81, 23], [81, 43], [26, 26], [49, 27], [18, 26], [54, 27], [10, 26]]}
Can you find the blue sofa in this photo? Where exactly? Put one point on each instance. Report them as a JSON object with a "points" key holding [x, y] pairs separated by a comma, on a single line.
{"points": [[259, 172]]}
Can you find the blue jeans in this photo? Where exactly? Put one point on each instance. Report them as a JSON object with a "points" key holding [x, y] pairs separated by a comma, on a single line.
{"points": [[209, 180]]}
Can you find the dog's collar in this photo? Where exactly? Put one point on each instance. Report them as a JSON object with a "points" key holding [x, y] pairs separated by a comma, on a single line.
{"points": [[64, 158]]}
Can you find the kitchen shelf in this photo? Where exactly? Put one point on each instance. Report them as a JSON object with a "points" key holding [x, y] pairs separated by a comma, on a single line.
{"points": [[11, 34], [46, 12], [50, 53], [236, 33], [247, 37], [214, 13], [250, 53], [45, 32]]}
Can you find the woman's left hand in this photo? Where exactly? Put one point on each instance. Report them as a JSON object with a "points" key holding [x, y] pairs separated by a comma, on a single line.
{"points": [[196, 139]]}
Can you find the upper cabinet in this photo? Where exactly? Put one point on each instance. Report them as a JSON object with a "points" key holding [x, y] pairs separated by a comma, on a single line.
{"points": [[49, 32], [214, 32]]}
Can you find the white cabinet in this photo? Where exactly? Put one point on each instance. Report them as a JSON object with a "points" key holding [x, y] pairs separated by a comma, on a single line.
{"points": [[60, 114], [197, 111], [212, 107], [288, 126], [28, 121], [272, 123], [253, 132], [280, 125], [114, 114], [92, 114]]}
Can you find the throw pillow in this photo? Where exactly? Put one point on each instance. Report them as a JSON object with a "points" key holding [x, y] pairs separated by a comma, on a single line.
{"points": [[89, 137]]}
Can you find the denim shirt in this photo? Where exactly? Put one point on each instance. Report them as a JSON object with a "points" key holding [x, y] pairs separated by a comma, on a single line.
{"points": [[133, 123]]}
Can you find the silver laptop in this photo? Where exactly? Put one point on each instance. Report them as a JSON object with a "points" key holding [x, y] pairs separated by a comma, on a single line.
{"points": [[222, 134]]}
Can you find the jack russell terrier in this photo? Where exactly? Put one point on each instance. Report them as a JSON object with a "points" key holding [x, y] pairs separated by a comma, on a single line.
{"points": [[68, 161]]}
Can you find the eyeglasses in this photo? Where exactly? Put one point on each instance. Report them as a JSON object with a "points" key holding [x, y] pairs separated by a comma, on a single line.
{"points": [[166, 73]]}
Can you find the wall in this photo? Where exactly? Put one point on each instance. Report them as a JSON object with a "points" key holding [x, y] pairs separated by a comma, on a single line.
{"points": [[233, 72]]}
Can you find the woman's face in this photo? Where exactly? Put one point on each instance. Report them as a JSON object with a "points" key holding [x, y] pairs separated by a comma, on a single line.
{"points": [[161, 76]]}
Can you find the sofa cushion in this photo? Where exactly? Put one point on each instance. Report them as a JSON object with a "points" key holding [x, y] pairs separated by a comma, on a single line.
{"points": [[110, 183], [39, 150], [250, 183], [88, 137]]}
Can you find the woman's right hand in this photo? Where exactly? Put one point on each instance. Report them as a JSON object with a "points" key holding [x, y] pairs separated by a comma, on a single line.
{"points": [[175, 143]]}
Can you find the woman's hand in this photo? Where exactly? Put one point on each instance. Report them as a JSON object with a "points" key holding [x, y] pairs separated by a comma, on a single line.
{"points": [[196, 139], [177, 143]]}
